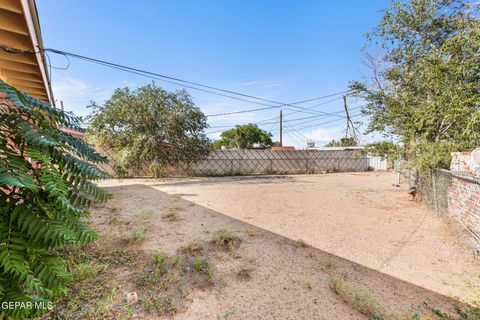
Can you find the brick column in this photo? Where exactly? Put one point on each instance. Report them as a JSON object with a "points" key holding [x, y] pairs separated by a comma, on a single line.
{"points": [[464, 193]]}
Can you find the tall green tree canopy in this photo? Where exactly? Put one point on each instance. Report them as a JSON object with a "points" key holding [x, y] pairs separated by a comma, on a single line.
{"points": [[425, 90], [46, 188], [244, 137], [148, 124]]}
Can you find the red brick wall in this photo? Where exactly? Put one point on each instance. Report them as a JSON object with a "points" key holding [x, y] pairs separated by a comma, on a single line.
{"points": [[464, 194]]}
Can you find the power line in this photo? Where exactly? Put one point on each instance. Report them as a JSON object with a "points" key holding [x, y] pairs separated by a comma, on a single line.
{"points": [[293, 104], [296, 131], [311, 119], [307, 127], [190, 84], [307, 109], [326, 122], [308, 118]]}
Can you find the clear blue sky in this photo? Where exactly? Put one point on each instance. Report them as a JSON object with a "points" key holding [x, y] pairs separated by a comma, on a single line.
{"points": [[280, 50]]}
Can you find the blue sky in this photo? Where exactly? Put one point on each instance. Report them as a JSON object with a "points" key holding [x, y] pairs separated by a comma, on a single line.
{"points": [[284, 51]]}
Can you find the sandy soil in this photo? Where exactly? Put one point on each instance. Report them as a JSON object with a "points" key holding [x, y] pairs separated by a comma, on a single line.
{"points": [[356, 224]]}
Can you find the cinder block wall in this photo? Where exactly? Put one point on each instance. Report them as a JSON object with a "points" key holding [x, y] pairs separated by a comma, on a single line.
{"points": [[464, 194]]}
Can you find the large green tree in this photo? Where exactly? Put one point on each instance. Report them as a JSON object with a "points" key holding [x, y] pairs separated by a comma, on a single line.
{"points": [[148, 124], [244, 137], [46, 189], [425, 90]]}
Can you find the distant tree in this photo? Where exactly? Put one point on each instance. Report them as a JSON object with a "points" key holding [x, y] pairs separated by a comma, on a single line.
{"points": [[244, 137], [343, 142], [424, 92], [149, 124], [383, 149]]}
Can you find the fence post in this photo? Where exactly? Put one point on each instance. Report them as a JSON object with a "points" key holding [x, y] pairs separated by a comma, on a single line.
{"points": [[435, 202], [306, 165], [231, 167]]}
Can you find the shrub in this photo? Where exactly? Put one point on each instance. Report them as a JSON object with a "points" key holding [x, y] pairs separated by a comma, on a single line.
{"points": [[46, 189], [138, 235], [226, 238]]}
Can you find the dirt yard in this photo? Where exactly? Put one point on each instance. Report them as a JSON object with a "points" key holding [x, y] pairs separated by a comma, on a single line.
{"points": [[356, 216], [333, 246]]}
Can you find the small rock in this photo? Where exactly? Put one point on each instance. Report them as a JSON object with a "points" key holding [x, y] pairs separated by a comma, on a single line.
{"points": [[132, 298]]}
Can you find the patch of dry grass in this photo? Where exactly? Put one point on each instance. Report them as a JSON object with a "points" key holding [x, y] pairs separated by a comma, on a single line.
{"points": [[325, 263], [145, 214], [172, 213], [113, 219], [244, 272], [161, 306], [252, 232], [138, 235], [95, 281], [226, 238], [357, 297], [302, 243], [246, 253], [193, 247]]}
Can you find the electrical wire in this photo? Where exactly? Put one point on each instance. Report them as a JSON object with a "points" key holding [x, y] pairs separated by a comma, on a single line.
{"points": [[326, 122], [57, 68], [199, 86], [192, 85], [295, 130]]}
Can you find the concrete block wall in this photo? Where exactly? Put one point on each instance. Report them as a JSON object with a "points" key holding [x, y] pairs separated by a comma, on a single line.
{"points": [[464, 194]]}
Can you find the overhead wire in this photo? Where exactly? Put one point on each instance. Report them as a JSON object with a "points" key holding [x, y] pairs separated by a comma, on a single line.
{"points": [[193, 85], [220, 92], [327, 122]]}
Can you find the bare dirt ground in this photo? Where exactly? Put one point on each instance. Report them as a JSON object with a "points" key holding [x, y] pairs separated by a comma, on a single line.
{"points": [[334, 246], [357, 216]]}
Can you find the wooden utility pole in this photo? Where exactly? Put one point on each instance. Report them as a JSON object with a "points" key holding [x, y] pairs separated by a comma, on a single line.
{"points": [[61, 105], [347, 116], [281, 128], [351, 131]]}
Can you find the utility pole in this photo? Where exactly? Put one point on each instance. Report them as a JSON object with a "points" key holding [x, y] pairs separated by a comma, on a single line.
{"points": [[61, 105], [281, 128], [347, 116], [351, 129]]}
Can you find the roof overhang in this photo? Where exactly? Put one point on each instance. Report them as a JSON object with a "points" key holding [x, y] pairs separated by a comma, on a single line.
{"points": [[22, 63]]}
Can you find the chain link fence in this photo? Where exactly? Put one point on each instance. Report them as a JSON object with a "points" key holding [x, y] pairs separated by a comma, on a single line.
{"points": [[261, 161], [431, 189], [266, 161], [441, 182]]}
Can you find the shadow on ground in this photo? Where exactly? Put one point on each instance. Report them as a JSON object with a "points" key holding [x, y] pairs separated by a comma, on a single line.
{"points": [[288, 279]]}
